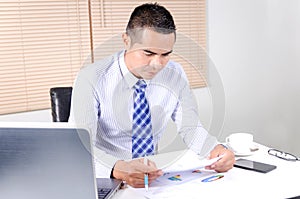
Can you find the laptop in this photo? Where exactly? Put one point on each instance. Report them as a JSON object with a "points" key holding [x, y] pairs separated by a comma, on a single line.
{"points": [[49, 161]]}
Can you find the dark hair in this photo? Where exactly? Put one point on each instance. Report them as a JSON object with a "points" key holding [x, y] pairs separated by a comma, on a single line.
{"points": [[153, 16]]}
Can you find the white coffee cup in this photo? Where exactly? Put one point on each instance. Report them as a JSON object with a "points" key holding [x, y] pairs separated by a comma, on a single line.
{"points": [[240, 142]]}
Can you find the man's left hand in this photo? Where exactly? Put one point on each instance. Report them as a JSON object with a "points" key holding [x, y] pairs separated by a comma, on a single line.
{"points": [[225, 163]]}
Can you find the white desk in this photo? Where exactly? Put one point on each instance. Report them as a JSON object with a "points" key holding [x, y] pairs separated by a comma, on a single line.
{"points": [[283, 182]]}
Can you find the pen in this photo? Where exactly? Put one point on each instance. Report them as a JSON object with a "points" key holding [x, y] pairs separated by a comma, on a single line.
{"points": [[146, 176]]}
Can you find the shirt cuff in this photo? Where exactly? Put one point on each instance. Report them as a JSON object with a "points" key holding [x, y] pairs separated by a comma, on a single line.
{"points": [[226, 147]]}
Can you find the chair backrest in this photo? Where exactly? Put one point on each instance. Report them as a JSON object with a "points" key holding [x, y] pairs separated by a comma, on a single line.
{"points": [[60, 103]]}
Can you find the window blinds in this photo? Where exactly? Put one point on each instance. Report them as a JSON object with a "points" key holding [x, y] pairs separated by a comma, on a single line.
{"points": [[43, 44]]}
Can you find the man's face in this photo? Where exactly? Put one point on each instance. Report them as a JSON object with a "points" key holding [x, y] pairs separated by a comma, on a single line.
{"points": [[148, 56]]}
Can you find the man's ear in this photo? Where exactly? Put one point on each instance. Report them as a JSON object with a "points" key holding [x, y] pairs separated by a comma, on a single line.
{"points": [[126, 41]]}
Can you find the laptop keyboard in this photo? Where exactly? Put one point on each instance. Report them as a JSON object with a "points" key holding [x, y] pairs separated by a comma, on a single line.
{"points": [[103, 192]]}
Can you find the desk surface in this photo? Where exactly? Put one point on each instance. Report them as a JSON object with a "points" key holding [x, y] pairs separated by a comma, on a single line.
{"points": [[283, 182]]}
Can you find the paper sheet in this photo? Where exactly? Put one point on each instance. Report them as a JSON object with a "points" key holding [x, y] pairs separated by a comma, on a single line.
{"points": [[190, 161], [187, 168], [166, 185]]}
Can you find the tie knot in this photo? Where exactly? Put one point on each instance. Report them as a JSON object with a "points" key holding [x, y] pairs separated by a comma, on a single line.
{"points": [[140, 85]]}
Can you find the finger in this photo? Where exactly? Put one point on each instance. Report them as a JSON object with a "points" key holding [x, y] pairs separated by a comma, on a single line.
{"points": [[217, 151], [134, 183], [135, 180], [225, 163], [152, 164], [146, 168], [137, 175], [209, 167], [139, 166], [152, 179], [219, 163], [153, 175], [157, 172], [213, 154]]}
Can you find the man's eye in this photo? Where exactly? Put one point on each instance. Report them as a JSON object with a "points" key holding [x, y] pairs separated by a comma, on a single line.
{"points": [[148, 54]]}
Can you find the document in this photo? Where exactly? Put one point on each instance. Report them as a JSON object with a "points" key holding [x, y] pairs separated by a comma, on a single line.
{"points": [[187, 168], [179, 177], [190, 161]]}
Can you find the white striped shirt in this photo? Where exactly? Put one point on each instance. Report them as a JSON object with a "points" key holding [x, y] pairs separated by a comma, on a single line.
{"points": [[102, 99]]}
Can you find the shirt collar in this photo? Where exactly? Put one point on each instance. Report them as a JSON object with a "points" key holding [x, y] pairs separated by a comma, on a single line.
{"points": [[128, 76]]}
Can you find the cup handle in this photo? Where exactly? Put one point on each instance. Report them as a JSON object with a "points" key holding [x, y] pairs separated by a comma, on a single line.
{"points": [[227, 139]]}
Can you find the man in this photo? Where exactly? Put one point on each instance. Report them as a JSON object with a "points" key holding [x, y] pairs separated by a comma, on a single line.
{"points": [[128, 99]]}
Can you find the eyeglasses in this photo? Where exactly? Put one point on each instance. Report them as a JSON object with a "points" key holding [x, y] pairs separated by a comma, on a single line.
{"points": [[283, 155]]}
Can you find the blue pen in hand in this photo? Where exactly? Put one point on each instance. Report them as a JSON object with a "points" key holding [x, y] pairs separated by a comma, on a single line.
{"points": [[146, 176]]}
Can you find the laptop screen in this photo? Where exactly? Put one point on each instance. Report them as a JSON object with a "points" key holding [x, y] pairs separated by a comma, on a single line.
{"points": [[46, 163]]}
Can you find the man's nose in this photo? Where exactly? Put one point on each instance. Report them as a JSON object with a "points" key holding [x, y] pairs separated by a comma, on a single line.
{"points": [[157, 61]]}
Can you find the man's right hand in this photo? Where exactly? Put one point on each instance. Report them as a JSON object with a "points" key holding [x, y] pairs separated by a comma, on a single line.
{"points": [[133, 172]]}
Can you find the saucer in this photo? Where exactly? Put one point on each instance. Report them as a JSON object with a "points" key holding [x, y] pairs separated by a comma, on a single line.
{"points": [[252, 150], [243, 154]]}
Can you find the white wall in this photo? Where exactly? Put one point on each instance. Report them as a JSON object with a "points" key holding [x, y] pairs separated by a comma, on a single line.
{"points": [[255, 45]]}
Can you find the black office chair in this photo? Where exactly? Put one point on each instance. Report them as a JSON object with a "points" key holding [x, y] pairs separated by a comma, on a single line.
{"points": [[60, 103]]}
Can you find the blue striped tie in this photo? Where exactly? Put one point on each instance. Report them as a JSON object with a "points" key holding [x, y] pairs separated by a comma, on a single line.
{"points": [[142, 139]]}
